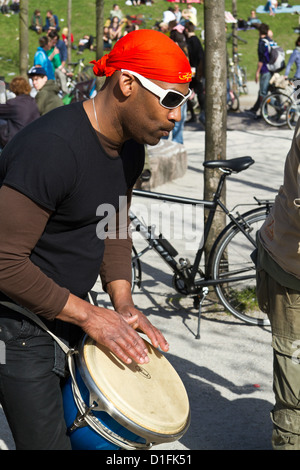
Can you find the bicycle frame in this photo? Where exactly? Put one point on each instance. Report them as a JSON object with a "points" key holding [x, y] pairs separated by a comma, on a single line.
{"points": [[167, 251]]}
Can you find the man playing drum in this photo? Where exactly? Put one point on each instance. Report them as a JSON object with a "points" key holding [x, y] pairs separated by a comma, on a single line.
{"points": [[57, 176]]}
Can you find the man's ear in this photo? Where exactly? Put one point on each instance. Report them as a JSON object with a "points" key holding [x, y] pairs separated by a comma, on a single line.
{"points": [[126, 81]]}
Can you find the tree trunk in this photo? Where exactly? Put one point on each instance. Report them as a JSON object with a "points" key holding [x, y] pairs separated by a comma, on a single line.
{"points": [[23, 35], [99, 36], [234, 45], [69, 32], [215, 104]]}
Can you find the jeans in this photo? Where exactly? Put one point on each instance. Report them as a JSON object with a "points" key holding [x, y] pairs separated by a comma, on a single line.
{"points": [[263, 89], [30, 390], [264, 84]]}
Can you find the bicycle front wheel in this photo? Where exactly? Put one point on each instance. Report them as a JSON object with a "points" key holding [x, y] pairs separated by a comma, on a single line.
{"points": [[233, 267], [293, 114], [274, 109], [233, 104]]}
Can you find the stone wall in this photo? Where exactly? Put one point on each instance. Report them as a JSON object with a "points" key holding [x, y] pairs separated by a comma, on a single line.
{"points": [[168, 161]]}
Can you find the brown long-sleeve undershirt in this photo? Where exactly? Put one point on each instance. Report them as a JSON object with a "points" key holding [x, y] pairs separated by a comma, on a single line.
{"points": [[22, 224]]}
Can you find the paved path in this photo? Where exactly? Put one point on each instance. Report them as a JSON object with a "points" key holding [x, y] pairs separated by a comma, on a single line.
{"points": [[228, 372]]}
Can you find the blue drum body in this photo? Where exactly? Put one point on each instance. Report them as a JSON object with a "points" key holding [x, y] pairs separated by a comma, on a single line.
{"points": [[138, 406], [85, 438]]}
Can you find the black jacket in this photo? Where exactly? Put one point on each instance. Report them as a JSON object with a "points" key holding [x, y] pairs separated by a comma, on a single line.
{"points": [[17, 112]]}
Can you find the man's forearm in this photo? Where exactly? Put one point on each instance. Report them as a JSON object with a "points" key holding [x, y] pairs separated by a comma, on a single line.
{"points": [[120, 293]]}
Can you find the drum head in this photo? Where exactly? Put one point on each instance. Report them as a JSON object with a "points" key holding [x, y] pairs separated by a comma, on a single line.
{"points": [[149, 397]]}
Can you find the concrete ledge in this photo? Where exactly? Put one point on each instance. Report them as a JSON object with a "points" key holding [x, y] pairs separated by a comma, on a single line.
{"points": [[168, 161]]}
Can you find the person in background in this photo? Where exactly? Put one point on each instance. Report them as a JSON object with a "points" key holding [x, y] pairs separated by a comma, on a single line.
{"points": [[253, 20], [177, 13], [262, 75], [107, 43], [58, 52], [60, 45], [15, 6], [271, 6], [65, 38], [47, 90], [196, 58], [4, 7], [37, 22], [17, 112], [51, 22], [85, 43], [177, 35], [189, 14], [294, 59], [278, 294], [168, 15], [116, 11], [115, 29], [41, 58]]}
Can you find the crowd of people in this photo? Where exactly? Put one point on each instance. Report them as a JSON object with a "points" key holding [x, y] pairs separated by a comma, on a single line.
{"points": [[177, 22], [46, 83], [9, 7], [49, 73]]}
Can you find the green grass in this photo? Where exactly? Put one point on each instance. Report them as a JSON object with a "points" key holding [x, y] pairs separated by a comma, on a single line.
{"points": [[245, 299], [83, 22]]}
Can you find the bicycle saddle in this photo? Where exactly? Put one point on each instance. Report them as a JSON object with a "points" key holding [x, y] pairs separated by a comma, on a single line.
{"points": [[233, 164]]}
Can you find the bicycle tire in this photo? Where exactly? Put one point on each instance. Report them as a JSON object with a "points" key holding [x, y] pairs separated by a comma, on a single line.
{"points": [[293, 114], [233, 104], [136, 270], [274, 109], [231, 258], [243, 81]]}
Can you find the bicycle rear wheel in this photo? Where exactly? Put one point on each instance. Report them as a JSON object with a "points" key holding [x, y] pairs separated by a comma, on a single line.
{"points": [[233, 104], [293, 114], [233, 266], [274, 109]]}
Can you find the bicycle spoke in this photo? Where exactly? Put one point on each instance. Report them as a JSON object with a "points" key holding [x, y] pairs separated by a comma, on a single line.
{"points": [[274, 109], [232, 264]]}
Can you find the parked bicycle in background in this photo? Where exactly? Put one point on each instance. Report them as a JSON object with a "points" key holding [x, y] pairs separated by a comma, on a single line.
{"points": [[280, 107], [230, 270], [81, 82]]}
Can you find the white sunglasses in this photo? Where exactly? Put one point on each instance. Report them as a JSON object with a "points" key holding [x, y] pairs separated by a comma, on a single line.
{"points": [[169, 99]]}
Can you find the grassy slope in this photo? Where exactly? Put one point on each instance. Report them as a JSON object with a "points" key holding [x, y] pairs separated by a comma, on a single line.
{"points": [[83, 20]]}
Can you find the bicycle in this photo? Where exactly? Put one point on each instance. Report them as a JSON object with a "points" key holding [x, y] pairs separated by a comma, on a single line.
{"points": [[230, 269], [233, 102], [237, 76], [277, 105], [293, 114], [81, 84], [80, 71]]}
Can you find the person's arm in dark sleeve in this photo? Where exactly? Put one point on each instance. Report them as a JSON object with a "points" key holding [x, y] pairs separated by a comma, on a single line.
{"points": [[22, 223]]}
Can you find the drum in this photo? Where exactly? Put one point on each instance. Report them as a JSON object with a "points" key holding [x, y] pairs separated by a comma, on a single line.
{"points": [[109, 405]]}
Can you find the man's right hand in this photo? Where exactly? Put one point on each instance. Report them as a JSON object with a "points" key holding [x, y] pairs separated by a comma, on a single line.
{"points": [[106, 327]]}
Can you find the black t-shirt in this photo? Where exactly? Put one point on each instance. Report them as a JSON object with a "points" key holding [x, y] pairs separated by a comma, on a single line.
{"points": [[58, 162]]}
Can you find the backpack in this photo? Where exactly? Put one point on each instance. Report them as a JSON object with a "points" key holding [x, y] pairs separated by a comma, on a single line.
{"points": [[277, 57]]}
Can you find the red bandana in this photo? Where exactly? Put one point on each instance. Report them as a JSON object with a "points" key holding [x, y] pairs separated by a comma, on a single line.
{"points": [[149, 53]]}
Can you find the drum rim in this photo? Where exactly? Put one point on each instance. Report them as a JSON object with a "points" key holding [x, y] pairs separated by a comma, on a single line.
{"points": [[149, 435]]}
